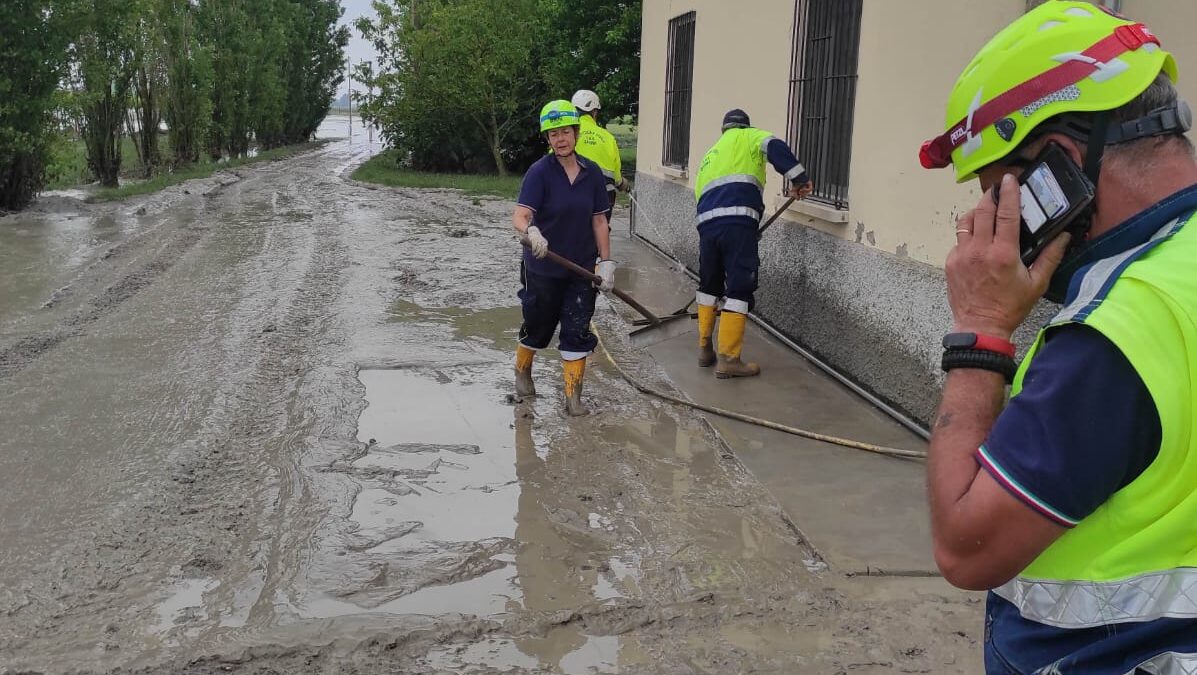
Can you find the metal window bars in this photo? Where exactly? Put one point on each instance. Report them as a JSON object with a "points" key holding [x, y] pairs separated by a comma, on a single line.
{"points": [[679, 77], [823, 74]]}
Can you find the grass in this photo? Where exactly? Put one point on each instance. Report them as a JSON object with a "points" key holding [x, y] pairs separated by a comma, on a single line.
{"points": [[202, 170], [68, 162], [384, 169]]}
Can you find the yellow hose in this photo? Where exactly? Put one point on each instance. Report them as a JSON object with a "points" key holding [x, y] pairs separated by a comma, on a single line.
{"points": [[748, 419]]}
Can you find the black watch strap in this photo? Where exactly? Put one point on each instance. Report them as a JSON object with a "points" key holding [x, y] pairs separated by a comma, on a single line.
{"points": [[979, 360]]}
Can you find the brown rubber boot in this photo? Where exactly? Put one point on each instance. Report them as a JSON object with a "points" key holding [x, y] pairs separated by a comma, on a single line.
{"points": [[574, 372], [523, 371], [731, 342], [706, 330]]}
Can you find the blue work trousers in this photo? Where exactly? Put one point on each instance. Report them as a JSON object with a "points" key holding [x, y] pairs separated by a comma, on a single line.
{"points": [[551, 301], [728, 260]]}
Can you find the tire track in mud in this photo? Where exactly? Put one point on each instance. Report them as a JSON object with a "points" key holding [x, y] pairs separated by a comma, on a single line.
{"points": [[232, 498], [24, 351], [253, 539]]}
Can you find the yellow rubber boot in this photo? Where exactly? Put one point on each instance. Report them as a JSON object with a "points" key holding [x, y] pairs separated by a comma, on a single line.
{"points": [[574, 372], [706, 330], [523, 371], [731, 341]]}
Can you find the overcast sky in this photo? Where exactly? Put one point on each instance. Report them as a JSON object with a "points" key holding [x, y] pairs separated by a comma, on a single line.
{"points": [[358, 48]]}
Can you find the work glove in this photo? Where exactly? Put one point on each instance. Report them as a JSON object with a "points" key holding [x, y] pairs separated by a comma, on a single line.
{"points": [[606, 270], [624, 186], [537, 242], [801, 191]]}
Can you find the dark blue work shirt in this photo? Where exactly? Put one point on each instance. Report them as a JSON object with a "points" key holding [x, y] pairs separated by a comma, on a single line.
{"points": [[564, 212], [1082, 428]]}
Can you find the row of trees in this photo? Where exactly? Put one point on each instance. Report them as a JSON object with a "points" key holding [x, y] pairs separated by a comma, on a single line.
{"points": [[460, 82], [221, 75]]}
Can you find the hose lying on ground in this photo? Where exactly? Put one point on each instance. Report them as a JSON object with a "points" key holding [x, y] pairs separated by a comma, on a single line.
{"points": [[748, 419]]}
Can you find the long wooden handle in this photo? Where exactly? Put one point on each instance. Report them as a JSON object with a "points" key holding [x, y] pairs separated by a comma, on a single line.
{"points": [[775, 216], [596, 279]]}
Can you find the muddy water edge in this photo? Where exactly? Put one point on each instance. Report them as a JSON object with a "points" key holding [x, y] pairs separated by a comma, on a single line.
{"points": [[261, 423]]}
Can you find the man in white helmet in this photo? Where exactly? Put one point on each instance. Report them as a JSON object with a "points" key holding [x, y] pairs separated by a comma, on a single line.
{"points": [[598, 145]]}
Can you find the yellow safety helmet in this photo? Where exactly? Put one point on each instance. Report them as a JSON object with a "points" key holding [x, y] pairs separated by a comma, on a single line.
{"points": [[1061, 57]]}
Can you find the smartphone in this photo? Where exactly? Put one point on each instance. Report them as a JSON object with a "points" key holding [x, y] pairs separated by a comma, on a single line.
{"points": [[1053, 192]]}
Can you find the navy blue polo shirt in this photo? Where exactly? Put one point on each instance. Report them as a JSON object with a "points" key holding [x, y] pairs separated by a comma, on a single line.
{"points": [[564, 212]]}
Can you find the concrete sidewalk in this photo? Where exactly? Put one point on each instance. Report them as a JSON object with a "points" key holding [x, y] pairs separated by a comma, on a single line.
{"points": [[864, 513]]}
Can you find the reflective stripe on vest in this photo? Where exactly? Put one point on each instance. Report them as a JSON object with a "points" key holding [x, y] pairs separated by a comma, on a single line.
{"points": [[728, 180], [1168, 663], [1170, 594], [728, 211]]}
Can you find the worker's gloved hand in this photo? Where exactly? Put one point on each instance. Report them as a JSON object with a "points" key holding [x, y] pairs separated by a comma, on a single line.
{"points": [[624, 186], [606, 270], [537, 242], [801, 191]]}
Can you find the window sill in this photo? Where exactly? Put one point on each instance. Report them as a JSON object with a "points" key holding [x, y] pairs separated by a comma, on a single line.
{"points": [[823, 212], [674, 172]]}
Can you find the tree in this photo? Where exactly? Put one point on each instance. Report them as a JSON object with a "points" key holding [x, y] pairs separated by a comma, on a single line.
{"points": [[229, 37], [458, 83], [32, 61], [316, 48], [149, 84], [595, 45], [455, 73], [188, 65], [104, 65]]}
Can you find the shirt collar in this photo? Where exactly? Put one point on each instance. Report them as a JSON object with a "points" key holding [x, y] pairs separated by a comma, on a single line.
{"points": [[552, 158], [1133, 232]]}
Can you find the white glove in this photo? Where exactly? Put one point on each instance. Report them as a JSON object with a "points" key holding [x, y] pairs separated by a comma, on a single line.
{"points": [[536, 240], [606, 270]]}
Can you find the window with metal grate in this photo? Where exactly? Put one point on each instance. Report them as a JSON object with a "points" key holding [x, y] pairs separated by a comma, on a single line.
{"points": [[823, 92], [679, 78]]}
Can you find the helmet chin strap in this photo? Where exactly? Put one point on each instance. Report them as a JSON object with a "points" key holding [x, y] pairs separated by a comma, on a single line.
{"points": [[1096, 150]]}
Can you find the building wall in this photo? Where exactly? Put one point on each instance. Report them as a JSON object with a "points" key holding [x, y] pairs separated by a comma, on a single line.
{"points": [[862, 288]]}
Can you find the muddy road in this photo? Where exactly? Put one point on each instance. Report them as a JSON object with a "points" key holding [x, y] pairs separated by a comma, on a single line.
{"points": [[260, 423]]}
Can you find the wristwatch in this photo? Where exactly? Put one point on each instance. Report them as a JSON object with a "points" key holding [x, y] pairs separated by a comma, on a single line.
{"points": [[987, 343], [981, 352]]}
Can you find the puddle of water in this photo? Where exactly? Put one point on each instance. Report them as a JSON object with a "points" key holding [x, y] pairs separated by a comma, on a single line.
{"points": [[596, 655], [497, 327], [187, 597], [457, 497], [499, 654]]}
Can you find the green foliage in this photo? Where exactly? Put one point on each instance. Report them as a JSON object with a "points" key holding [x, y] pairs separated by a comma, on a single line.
{"points": [[102, 54], [459, 83], [595, 45], [224, 75], [33, 46], [67, 164], [386, 169], [189, 76]]}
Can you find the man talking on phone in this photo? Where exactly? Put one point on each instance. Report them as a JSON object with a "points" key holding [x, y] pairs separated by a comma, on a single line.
{"points": [[1074, 502]]}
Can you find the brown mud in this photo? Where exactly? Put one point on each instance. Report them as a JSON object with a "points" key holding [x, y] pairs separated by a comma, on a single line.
{"points": [[262, 424]]}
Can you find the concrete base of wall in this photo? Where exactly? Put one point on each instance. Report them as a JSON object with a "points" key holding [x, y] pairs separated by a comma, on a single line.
{"points": [[875, 317]]}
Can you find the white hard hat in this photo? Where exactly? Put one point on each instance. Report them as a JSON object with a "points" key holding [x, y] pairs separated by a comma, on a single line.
{"points": [[586, 100]]}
